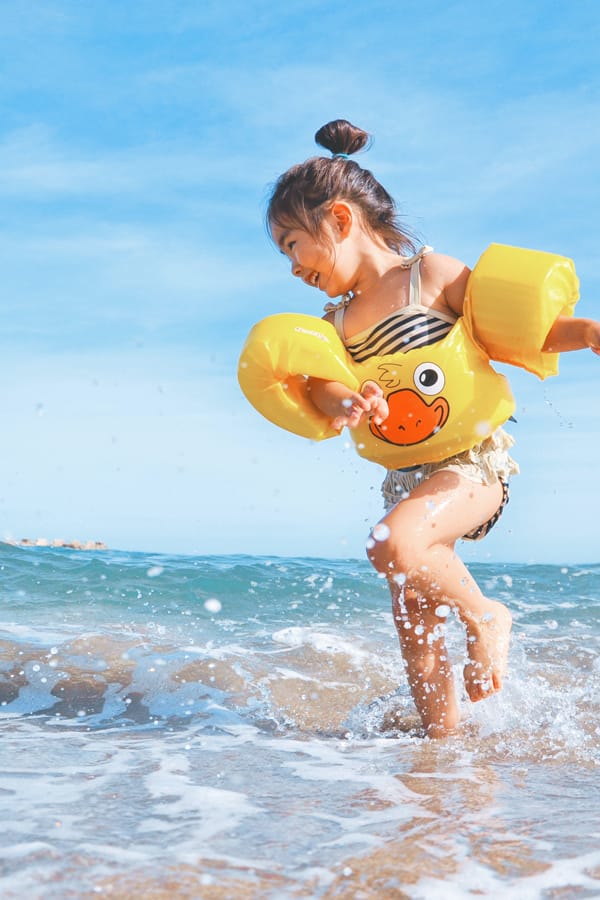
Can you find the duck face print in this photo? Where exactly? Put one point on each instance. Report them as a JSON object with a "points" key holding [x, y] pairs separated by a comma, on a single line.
{"points": [[418, 411]]}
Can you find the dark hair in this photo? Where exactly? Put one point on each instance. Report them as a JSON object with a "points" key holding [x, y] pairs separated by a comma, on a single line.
{"points": [[301, 196]]}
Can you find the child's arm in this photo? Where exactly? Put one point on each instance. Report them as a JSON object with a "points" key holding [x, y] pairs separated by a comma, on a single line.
{"points": [[573, 334], [347, 408]]}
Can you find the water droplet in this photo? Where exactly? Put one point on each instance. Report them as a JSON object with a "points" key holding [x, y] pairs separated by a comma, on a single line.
{"points": [[381, 532], [154, 571], [213, 605]]}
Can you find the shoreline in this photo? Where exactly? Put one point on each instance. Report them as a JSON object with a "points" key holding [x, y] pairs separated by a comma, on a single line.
{"points": [[56, 543]]}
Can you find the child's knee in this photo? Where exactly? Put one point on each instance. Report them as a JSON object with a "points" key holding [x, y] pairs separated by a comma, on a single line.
{"points": [[379, 548], [389, 555], [378, 556]]}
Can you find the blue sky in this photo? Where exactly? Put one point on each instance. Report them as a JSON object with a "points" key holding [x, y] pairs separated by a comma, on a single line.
{"points": [[138, 142]]}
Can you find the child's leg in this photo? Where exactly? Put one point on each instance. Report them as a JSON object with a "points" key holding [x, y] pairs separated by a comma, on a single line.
{"points": [[419, 550], [425, 656]]}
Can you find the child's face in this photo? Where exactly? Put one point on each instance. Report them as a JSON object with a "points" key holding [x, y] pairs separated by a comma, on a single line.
{"points": [[317, 261]]}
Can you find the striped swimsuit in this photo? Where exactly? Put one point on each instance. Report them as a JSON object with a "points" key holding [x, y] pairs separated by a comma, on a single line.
{"points": [[407, 328]]}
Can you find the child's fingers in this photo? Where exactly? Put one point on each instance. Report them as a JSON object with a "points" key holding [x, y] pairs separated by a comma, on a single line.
{"points": [[358, 405], [363, 402], [349, 419], [380, 410], [371, 389], [356, 401]]}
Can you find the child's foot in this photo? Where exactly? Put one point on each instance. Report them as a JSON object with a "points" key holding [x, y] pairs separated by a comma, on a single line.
{"points": [[488, 640]]}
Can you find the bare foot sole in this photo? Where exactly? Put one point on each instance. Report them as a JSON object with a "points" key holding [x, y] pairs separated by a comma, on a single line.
{"points": [[488, 641]]}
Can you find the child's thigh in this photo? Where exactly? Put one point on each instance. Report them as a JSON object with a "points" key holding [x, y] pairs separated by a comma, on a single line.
{"points": [[442, 509]]}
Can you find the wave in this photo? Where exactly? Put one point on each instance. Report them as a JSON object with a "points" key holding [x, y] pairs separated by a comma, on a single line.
{"points": [[293, 646]]}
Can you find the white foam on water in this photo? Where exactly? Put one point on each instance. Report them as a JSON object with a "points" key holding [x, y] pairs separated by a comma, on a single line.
{"points": [[175, 795], [320, 641], [210, 651], [341, 761], [542, 714], [37, 635], [561, 876]]}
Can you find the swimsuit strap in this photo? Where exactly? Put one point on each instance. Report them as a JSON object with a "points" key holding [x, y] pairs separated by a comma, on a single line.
{"points": [[417, 257], [341, 304], [338, 319], [414, 262]]}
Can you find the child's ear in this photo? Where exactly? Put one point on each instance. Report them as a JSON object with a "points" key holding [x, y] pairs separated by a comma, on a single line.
{"points": [[341, 213]]}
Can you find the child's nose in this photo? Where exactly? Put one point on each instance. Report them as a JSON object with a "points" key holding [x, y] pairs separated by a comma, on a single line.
{"points": [[296, 269]]}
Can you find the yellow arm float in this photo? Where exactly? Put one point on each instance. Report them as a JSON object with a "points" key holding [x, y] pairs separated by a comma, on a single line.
{"points": [[279, 353], [512, 300]]}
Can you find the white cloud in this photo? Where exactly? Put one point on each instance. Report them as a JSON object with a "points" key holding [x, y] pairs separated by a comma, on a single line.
{"points": [[33, 162]]}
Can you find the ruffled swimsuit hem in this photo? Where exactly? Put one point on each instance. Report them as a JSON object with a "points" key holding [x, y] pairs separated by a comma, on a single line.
{"points": [[485, 463]]}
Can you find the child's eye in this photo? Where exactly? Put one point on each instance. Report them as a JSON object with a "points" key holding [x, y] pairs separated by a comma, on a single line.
{"points": [[291, 245]]}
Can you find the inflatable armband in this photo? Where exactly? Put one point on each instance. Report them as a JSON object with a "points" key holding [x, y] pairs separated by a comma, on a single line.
{"points": [[280, 353], [513, 298]]}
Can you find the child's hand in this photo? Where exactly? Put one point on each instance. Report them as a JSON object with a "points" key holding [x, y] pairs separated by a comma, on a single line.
{"points": [[593, 337], [370, 402]]}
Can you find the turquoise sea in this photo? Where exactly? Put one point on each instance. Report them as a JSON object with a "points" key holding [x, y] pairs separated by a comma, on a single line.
{"points": [[239, 727]]}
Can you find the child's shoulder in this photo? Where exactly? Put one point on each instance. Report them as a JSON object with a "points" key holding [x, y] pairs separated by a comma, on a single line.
{"points": [[446, 276], [446, 266]]}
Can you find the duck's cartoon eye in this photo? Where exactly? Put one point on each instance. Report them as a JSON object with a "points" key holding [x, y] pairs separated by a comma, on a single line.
{"points": [[429, 378]]}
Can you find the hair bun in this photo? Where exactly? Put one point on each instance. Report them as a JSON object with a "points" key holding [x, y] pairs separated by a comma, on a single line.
{"points": [[341, 136]]}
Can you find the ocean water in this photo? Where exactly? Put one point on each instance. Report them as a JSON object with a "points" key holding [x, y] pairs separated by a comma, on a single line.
{"points": [[237, 727]]}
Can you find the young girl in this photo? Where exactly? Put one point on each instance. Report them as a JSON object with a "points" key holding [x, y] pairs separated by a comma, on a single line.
{"points": [[339, 228]]}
